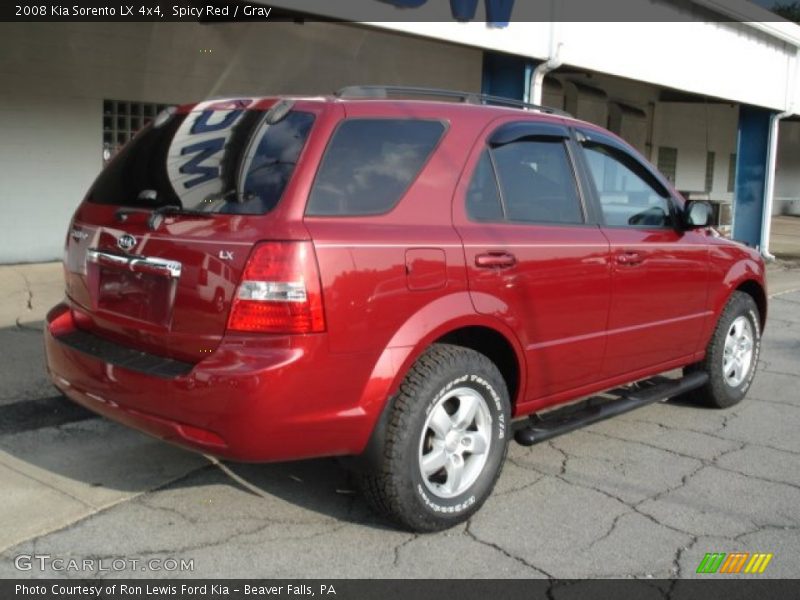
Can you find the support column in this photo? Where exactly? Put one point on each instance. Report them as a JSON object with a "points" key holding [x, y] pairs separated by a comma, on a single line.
{"points": [[752, 159], [506, 75]]}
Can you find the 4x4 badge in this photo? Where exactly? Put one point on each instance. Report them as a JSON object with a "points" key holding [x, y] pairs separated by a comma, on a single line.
{"points": [[126, 242]]}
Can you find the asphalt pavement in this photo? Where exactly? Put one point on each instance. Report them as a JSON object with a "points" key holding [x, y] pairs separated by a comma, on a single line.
{"points": [[647, 494]]}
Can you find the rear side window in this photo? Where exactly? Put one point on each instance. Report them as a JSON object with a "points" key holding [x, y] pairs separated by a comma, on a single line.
{"points": [[370, 163], [217, 161], [270, 162]]}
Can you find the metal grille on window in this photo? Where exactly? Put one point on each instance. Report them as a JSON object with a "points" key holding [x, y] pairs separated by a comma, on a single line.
{"points": [[122, 119], [668, 162], [710, 157]]}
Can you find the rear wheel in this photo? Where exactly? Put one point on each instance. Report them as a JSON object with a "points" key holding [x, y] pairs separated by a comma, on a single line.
{"points": [[732, 354], [445, 442]]}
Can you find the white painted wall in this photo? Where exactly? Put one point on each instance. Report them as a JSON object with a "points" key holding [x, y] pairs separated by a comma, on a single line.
{"points": [[721, 60], [695, 129], [55, 77], [787, 177]]}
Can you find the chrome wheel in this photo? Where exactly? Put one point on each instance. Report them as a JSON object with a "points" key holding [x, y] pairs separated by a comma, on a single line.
{"points": [[737, 356], [455, 442]]}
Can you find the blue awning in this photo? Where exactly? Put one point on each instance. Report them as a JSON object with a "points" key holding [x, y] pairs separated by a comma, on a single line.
{"points": [[498, 12]]}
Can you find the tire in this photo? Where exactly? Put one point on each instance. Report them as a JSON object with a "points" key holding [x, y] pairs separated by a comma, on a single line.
{"points": [[727, 386], [424, 431]]}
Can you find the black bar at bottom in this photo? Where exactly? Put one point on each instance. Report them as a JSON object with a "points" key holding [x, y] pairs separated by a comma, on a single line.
{"points": [[391, 589]]}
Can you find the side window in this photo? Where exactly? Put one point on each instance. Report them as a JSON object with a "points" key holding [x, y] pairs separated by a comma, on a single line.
{"points": [[272, 163], [483, 199], [537, 185], [370, 163], [627, 197]]}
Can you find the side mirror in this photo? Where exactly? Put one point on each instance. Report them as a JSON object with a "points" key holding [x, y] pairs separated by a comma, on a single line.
{"points": [[697, 213]]}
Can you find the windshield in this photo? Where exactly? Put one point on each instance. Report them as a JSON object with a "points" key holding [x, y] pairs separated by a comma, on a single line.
{"points": [[215, 161]]}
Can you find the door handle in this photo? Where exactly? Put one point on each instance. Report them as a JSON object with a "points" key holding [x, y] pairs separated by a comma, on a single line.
{"points": [[629, 258], [495, 260]]}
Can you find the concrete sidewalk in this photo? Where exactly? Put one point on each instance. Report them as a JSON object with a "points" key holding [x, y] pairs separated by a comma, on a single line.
{"points": [[45, 489], [664, 485]]}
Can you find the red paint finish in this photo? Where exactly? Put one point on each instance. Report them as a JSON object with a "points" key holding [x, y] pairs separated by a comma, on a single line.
{"points": [[659, 299], [426, 269], [583, 307]]}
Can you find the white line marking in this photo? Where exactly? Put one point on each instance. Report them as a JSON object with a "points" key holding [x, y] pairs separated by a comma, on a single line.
{"points": [[776, 294]]}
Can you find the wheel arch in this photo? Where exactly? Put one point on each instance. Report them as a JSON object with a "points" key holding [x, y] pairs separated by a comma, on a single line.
{"points": [[451, 319], [495, 346], [757, 292], [745, 275]]}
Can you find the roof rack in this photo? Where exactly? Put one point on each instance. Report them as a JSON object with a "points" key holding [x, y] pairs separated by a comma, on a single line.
{"points": [[385, 91]]}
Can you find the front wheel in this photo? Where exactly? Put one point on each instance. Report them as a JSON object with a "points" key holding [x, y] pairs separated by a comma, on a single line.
{"points": [[732, 354], [445, 443]]}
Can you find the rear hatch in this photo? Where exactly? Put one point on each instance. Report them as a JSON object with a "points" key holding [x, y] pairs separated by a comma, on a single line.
{"points": [[155, 252]]}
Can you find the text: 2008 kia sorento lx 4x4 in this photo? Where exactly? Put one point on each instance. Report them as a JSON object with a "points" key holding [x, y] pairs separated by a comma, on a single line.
{"points": [[392, 280]]}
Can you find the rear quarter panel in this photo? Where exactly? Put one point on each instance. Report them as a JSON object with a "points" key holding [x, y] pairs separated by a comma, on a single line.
{"points": [[373, 309]]}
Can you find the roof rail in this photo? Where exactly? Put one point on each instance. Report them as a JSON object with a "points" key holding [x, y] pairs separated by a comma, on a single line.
{"points": [[385, 91]]}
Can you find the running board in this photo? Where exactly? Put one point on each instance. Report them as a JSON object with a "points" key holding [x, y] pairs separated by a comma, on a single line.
{"points": [[535, 429]]}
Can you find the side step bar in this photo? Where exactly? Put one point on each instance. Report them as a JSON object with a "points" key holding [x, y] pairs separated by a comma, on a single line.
{"points": [[539, 429]]}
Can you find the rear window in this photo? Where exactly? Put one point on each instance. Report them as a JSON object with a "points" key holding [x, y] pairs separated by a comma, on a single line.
{"points": [[370, 163], [218, 161]]}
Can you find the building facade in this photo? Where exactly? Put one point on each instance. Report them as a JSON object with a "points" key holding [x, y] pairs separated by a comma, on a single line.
{"points": [[713, 104]]}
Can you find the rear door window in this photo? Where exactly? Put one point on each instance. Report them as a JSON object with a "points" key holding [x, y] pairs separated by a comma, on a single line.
{"points": [[216, 161], [370, 163], [536, 185]]}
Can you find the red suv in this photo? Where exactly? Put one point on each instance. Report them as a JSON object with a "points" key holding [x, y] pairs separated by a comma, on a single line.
{"points": [[392, 280]]}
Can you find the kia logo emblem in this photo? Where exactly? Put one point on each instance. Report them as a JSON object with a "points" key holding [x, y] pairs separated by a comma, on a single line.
{"points": [[126, 242]]}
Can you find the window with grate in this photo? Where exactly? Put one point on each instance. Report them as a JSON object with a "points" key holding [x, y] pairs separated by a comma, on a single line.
{"points": [[668, 162], [122, 119]]}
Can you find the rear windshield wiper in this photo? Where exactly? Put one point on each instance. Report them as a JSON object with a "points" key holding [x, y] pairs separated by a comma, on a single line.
{"points": [[173, 209]]}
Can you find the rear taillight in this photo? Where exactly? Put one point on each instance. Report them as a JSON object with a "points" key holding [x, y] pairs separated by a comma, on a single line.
{"points": [[280, 291]]}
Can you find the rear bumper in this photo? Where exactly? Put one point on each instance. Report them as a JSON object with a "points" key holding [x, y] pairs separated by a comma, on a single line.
{"points": [[263, 398]]}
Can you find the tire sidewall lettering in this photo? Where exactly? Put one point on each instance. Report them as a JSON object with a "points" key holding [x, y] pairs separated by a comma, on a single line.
{"points": [[438, 508], [753, 318]]}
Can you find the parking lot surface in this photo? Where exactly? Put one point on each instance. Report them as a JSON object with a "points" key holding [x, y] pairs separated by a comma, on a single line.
{"points": [[647, 494]]}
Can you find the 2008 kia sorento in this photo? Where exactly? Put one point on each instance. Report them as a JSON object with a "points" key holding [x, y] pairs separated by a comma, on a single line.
{"points": [[392, 280]]}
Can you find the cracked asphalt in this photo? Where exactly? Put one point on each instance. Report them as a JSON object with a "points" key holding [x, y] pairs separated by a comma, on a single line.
{"points": [[643, 495]]}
